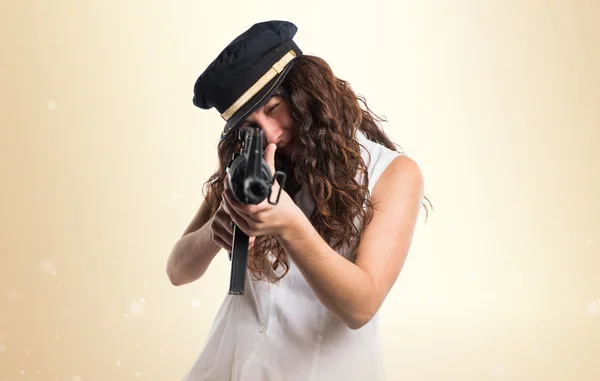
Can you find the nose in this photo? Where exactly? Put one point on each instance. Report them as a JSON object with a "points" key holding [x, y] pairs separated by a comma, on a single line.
{"points": [[271, 132]]}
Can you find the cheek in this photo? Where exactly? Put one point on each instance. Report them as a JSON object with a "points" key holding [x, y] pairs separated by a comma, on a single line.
{"points": [[286, 122]]}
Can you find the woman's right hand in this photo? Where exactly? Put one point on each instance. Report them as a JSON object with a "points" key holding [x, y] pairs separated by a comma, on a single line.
{"points": [[221, 230]]}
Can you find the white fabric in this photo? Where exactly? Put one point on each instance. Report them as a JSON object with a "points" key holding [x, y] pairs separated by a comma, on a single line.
{"points": [[278, 332]]}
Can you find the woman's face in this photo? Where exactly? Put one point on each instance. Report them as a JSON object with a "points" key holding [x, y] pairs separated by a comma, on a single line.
{"points": [[275, 120]]}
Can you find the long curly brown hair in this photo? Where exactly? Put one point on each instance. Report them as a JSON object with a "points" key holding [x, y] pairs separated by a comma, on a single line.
{"points": [[327, 158]]}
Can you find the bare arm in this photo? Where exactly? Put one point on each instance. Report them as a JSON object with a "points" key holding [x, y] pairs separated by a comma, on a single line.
{"points": [[355, 291], [194, 251]]}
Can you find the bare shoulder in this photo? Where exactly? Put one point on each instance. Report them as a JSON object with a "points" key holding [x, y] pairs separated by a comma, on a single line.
{"points": [[400, 181]]}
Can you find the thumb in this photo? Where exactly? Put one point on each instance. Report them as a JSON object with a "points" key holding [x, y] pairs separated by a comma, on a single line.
{"points": [[270, 157]]}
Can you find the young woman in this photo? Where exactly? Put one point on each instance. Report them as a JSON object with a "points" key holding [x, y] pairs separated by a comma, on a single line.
{"points": [[322, 260]]}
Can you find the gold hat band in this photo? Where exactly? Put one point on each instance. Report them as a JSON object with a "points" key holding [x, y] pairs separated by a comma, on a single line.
{"points": [[269, 75]]}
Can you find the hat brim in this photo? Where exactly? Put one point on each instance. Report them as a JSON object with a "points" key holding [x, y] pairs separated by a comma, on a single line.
{"points": [[255, 102]]}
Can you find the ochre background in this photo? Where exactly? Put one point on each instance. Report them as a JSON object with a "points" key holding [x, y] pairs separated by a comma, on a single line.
{"points": [[104, 157]]}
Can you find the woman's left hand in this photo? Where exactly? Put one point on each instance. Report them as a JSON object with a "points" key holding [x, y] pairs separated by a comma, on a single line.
{"points": [[264, 218]]}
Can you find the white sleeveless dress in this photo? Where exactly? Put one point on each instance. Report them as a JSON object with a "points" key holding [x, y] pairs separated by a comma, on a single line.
{"points": [[277, 332]]}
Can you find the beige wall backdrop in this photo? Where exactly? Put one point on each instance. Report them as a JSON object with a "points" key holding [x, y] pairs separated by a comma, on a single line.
{"points": [[104, 157]]}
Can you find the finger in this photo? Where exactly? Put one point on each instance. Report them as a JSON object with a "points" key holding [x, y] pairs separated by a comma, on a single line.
{"points": [[232, 206], [222, 225], [270, 159], [219, 240], [270, 156], [227, 207], [225, 246], [224, 219], [240, 222]]}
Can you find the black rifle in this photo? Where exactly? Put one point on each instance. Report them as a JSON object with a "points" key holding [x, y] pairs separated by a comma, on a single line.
{"points": [[250, 182]]}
